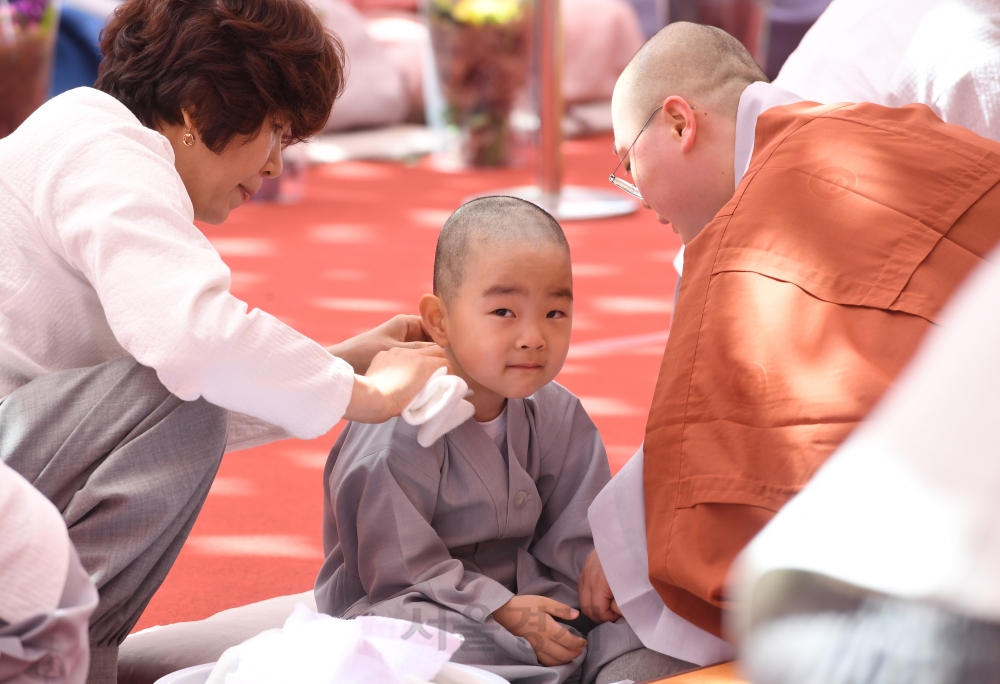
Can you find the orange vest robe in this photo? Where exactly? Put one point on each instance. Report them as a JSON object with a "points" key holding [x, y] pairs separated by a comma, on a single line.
{"points": [[800, 304]]}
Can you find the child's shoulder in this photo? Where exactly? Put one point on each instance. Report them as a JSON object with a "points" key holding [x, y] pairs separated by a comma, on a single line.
{"points": [[555, 399], [554, 405], [561, 425], [365, 445]]}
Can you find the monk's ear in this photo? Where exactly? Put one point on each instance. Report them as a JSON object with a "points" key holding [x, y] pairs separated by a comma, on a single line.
{"points": [[432, 317], [680, 119]]}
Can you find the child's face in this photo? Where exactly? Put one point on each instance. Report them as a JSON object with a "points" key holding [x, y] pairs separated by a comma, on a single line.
{"points": [[507, 326]]}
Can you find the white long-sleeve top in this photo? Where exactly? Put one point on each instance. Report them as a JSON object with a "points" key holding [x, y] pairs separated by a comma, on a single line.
{"points": [[100, 258]]}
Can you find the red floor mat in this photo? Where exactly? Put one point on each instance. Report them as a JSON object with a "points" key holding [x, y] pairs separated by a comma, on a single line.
{"points": [[359, 248]]}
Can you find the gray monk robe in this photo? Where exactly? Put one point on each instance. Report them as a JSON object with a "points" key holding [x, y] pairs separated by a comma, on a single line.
{"points": [[446, 535]]}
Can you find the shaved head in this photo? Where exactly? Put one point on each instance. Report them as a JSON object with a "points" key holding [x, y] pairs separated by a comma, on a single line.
{"points": [[489, 223], [702, 64]]}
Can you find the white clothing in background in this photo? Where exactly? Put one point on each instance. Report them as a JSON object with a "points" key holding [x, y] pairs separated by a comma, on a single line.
{"points": [[46, 597], [618, 514], [99, 258], [34, 555], [910, 504], [942, 53]]}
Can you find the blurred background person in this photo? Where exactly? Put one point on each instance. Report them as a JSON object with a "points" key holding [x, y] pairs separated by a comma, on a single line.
{"points": [[941, 53]]}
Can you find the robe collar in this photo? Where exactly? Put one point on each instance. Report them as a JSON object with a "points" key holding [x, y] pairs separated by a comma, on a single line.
{"points": [[511, 486], [756, 99]]}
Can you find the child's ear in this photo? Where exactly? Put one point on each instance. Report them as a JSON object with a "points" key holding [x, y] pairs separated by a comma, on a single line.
{"points": [[432, 315]]}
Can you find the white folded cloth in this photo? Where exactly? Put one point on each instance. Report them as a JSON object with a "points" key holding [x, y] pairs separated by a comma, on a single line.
{"points": [[313, 648], [439, 407]]}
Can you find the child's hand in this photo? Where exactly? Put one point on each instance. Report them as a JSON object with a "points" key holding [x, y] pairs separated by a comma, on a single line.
{"points": [[596, 598], [531, 617]]}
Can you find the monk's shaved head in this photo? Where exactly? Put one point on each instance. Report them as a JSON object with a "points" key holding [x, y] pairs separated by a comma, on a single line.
{"points": [[488, 223], [703, 64]]}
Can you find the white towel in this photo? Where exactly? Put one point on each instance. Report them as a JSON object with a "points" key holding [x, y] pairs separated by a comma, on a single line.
{"points": [[439, 407], [313, 648]]}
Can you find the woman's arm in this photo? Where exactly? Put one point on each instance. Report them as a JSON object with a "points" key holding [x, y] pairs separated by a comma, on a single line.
{"points": [[115, 209], [393, 379]]}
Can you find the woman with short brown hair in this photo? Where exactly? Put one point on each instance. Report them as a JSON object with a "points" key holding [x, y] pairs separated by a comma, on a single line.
{"points": [[126, 366]]}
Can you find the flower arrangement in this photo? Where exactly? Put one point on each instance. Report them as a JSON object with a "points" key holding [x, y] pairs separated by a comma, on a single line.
{"points": [[482, 51], [27, 41]]}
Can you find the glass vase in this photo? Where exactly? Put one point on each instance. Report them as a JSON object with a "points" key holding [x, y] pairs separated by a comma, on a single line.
{"points": [[482, 61], [28, 31]]}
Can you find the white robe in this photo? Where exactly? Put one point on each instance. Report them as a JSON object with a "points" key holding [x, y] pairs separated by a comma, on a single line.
{"points": [[942, 53]]}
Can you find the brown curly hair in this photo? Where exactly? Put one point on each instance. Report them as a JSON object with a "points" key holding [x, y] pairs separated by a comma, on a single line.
{"points": [[235, 64]]}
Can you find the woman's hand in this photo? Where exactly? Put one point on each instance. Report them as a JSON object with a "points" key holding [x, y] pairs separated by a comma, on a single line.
{"points": [[531, 617], [399, 331], [596, 598], [394, 377]]}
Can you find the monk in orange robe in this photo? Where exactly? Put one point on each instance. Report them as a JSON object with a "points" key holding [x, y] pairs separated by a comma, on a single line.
{"points": [[805, 292]]}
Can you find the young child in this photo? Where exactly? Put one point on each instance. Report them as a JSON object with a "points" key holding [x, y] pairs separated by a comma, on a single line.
{"points": [[485, 532]]}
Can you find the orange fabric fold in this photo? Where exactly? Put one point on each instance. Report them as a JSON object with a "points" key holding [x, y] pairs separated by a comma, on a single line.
{"points": [[800, 304]]}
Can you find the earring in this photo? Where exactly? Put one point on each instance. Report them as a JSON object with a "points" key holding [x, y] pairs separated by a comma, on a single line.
{"points": [[188, 139]]}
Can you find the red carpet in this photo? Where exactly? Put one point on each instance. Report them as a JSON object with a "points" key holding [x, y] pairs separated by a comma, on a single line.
{"points": [[358, 249]]}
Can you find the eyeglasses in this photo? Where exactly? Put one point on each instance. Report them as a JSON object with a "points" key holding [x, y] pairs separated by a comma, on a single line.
{"points": [[624, 184]]}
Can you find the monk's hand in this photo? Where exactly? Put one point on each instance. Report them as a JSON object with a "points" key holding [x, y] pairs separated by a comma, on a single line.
{"points": [[596, 599], [399, 331], [394, 377], [531, 617]]}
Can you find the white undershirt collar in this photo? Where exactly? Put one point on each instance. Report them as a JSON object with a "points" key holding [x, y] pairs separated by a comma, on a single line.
{"points": [[497, 430]]}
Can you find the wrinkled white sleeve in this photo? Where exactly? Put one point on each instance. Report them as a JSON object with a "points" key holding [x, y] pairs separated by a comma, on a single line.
{"points": [[952, 65], [618, 521], [123, 219]]}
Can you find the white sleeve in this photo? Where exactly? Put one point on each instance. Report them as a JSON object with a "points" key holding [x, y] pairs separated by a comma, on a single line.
{"points": [[115, 208], [952, 65], [618, 522]]}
